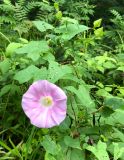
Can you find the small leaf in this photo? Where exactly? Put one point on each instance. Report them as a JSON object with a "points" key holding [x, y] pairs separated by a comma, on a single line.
{"points": [[99, 32], [97, 23]]}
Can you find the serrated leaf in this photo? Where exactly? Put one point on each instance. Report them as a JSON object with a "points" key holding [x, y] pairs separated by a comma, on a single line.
{"points": [[73, 143], [42, 26], [99, 151], [34, 49], [26, 74]]}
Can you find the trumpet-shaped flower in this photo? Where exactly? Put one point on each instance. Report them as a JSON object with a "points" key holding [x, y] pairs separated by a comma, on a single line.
{"points": [[44, 104]]}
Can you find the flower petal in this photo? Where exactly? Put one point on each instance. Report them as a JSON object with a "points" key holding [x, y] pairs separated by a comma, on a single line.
{"points": [[41, 116]]}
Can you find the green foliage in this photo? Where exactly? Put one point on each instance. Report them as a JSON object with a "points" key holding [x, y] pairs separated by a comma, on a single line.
{"points": [[59, 41], [99, 151]]}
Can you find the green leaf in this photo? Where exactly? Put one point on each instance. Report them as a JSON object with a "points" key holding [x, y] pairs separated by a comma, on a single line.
{"points": [[50, 146], [70, 30], [97, 23], [114, 102], [5, 90], [49, 157], [12, 88], [34, 49], [99, 32], [83, 94], [106, 111], [73, 143], [99, 151], [41, 74], [118, 134], [120, 68], [26, 74], [56, 71], [68, 19], [59, 15], [5, 65], [42, 26], [72, 112], [65, 125], [116, 118], [24, 41], [77, 154], [117, 151], [11, 48]]}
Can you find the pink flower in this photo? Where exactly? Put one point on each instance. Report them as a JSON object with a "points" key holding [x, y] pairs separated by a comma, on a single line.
{"points": [[45, 104]]}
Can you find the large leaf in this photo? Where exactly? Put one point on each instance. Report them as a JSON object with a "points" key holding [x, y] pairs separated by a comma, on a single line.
{"points": [[12, 88], [5, 65], [70, 142], [42, 26], [77, 154], [70, 30], [34, 49], [41, 74], [56, 71], [83, 94], [5, 89], [50, 146], [116, 118], [114, 102], [118, 134], [26, 74], [12, 47], [117, 151], [99, 151], [49, 157]]}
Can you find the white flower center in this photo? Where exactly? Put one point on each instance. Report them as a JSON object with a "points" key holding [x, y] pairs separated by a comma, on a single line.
{"points": [[46, 101]]}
